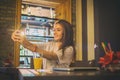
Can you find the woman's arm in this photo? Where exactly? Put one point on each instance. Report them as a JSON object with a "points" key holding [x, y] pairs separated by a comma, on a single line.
{"points": [[47, 54], [26, 44], [34, 48], [17, 37]]}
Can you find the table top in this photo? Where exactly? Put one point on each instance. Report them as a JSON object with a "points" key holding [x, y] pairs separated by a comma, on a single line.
{"points": [[31, 74]]}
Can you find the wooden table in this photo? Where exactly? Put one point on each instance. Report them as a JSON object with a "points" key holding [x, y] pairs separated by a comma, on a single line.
{"points": [[30, 74]]}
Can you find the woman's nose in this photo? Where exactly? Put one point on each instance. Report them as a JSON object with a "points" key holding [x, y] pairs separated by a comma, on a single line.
{"points": [[54, 31]]}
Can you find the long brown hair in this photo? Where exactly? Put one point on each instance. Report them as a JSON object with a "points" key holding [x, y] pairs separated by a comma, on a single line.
{"points": [[67, 39]]}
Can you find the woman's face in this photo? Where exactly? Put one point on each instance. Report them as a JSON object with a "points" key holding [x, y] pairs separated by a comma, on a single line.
{"points": [[58, 32]]}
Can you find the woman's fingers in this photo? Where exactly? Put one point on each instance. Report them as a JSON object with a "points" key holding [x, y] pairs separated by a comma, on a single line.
{"points": [[16, 35]]}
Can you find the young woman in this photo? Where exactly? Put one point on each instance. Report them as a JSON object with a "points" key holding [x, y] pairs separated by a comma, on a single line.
{"points": [[58, 53]]}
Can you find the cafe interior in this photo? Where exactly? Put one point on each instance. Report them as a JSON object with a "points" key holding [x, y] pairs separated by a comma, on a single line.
{"points": [[96, 36]]}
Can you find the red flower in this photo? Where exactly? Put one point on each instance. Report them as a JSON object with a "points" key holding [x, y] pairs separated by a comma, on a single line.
{"points": [[109, 57], [118, 54], [116, 61], [117, 58], [105, 60]]}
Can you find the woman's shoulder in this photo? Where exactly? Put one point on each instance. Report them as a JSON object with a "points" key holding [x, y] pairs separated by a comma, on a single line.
{"points": [[69, 47], [50, 43]]}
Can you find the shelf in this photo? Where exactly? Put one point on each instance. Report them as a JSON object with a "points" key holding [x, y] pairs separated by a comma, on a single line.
{"points": [[42, 17], [39, 38], [37, 29], [30, 22], [36, 20], [26, 56]]}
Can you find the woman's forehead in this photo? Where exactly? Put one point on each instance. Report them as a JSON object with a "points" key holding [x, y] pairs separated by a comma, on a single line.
{"points": [[58, 25]]}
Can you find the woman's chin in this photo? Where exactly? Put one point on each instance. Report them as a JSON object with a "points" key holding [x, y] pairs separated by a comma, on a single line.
{"points": [[57, 40]]}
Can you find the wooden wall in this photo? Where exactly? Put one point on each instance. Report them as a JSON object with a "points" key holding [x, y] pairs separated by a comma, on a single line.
{"points": [[8, 22], [63, 10]]}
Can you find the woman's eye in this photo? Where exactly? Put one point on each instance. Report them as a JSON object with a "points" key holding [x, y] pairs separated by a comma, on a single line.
{"points": [[58, 29]]}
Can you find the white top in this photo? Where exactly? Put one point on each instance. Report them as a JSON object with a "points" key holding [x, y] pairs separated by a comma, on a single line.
{"points": [[63, 61]]}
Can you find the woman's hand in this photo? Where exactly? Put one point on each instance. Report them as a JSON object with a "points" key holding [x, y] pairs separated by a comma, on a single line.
{"points": [[17, 36]]}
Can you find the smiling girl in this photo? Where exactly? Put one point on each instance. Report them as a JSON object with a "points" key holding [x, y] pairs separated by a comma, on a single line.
{"points": [[57, 53]]}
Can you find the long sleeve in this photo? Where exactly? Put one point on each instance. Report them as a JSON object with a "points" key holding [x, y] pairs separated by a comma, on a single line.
{"points": [[66, 59]]}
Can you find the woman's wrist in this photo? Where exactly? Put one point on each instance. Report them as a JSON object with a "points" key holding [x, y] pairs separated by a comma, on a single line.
{"points": [[34, 48], [29, 45]]}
